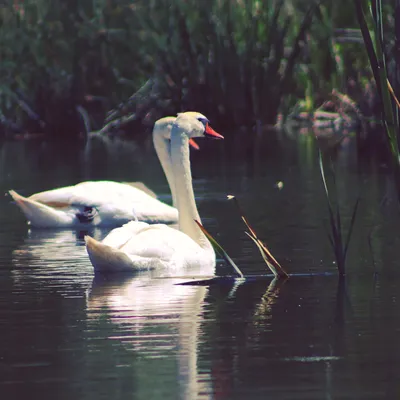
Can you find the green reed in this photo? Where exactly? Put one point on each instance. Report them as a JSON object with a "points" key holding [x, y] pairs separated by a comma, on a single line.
{"points": [[271, 262], [234, 60], [371, 23], [220, 250], [337, 238], [57, 56], [241, 62]]}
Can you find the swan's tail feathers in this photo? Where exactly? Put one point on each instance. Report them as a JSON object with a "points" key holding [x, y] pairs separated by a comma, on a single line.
{"points": [[105, 258], [38, 214]]}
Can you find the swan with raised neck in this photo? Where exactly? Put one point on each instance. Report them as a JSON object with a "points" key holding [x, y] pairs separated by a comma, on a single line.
{"points": [[138, 246], [104, 203]]}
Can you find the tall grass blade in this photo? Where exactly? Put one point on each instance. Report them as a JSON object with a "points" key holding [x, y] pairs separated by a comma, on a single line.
{"points": [[270, 260], [242, 216], [353, 218], [219, 249], [393, 94], [339, 227], [378, 63], [335, 224], [339, 246], [275, 268], [371, 248], [334, 228], [362, 21], [291, 62]]}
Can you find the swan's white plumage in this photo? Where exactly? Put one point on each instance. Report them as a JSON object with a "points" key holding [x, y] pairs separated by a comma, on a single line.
{"points": [[115, 203], [139, 246]]}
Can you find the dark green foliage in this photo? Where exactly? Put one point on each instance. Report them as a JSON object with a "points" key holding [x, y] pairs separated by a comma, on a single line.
{"points": [[241, 62], [233, 59], [59, 55], [375, 46]]}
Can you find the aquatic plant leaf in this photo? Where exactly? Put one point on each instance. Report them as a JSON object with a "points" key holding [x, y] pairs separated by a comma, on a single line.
{"points": [[334, 228], [377, 58], [296, 47], [393, 94], [275, 268], [362, 21], [219, 249], [329, 235], [278, 269], [371, 248], [339, 227], [353, 218], [335, 238], [270, 260], [242, 216]]}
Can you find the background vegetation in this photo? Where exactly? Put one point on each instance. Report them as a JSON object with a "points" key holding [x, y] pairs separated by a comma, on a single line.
{"points": [[64, 65]]}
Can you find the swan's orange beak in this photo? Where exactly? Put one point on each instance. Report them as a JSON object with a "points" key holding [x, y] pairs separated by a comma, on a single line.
{"points": [[194, 144], [210, 132]]}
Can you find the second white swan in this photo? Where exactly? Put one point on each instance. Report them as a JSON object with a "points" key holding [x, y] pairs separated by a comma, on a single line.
{"points": [[140, 246], [103, 203]]}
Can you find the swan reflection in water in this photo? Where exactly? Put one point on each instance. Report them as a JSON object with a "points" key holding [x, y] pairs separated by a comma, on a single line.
{"points": [[155, 318], [156, 332], [54, 254], [163, 323]]}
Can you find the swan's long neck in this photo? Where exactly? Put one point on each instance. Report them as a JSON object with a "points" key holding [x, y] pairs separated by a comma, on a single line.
{"points": [[162, 147], [184, 189]]}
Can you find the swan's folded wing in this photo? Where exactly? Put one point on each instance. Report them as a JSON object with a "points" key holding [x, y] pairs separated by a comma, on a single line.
{"points": [[115, 202], [159, 241], [90, 193], [141, 186], [118, 237], [58, 198]]}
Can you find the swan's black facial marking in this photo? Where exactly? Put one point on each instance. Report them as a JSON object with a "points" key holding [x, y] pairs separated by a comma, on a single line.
{"points": [[87, 215], [203, 120]]}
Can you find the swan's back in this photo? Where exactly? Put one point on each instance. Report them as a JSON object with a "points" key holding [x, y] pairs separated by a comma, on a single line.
{"points": [[114, 203], [139, 246]]}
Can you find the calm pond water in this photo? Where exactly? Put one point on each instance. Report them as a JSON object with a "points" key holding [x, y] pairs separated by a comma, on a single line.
{"points": [[66, 334]]}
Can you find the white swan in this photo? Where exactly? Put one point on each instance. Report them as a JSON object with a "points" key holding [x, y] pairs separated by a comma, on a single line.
{"points": [[104, 203], [139, 246]]}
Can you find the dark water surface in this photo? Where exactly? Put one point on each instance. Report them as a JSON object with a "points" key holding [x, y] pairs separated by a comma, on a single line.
{"points": [[65, 334]]}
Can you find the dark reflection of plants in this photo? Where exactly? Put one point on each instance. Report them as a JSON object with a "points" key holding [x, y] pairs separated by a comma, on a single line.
{"points": [[240, 313], [278, 329]]}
